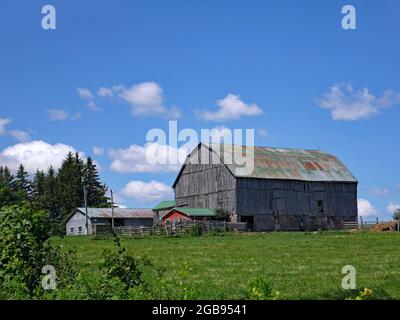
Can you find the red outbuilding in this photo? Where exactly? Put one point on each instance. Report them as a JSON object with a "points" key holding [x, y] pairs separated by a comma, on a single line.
{"points": [[178, 214]]}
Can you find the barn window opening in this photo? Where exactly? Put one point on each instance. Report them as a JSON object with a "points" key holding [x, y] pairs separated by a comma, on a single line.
{"points": [[80, 229], [71, 230], [320, 205]]}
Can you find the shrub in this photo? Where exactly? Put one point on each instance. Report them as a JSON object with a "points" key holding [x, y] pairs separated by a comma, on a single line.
{"points": [[23, 236], [260, 289]]}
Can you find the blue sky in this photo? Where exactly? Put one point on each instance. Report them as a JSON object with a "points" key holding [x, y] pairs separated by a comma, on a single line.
{"points": [[292, 72]]}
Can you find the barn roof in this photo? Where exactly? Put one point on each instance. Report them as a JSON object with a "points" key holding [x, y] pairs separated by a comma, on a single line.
{"points": [[194, 212], [118, 212], [290, 164], [167, 204], [286, 164]]}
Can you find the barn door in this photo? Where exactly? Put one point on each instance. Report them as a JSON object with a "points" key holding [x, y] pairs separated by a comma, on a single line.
{"points": [[279, 211]]}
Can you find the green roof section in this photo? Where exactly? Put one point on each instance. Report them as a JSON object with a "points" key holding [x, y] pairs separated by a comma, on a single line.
{"points": [[196, 212], [167, 204]]}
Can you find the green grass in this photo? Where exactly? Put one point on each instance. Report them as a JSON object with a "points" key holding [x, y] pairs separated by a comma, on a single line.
{"points": [[299, 265]]}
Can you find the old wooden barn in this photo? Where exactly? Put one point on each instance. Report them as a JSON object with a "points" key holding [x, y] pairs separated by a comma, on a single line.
{"points": [[288, 189]]}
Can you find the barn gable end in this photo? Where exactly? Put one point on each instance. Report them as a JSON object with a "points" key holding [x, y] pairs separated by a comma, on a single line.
{"points": [[289, 189]]}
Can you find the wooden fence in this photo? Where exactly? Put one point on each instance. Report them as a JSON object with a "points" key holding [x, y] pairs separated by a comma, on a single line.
{"points": [[180, 229], [363, 224]]}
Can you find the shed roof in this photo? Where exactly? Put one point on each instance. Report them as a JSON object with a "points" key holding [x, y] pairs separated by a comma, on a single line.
{"points": [[282, 163], [195, 212], [165, 205], [118, 212]]}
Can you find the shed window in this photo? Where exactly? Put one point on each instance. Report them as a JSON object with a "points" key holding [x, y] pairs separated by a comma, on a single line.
{"points": [[79, 229], [320, 205], [71, 230]]}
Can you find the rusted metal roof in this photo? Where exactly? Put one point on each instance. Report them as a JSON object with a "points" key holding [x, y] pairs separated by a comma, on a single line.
{"points": [[289, 164], [118, 212]]}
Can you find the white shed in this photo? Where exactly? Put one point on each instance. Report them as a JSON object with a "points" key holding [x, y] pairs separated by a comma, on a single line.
{"points": [[135, 217]]}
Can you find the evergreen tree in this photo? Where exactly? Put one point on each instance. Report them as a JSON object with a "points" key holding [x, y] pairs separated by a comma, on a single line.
{"points": [[96, 191], [23, 184], [69, 182], [38, 190], [51, 197], [6, 178], [8, 195]]}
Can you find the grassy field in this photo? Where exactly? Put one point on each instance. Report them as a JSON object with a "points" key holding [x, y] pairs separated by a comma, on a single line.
{"points": [[299, 265]]}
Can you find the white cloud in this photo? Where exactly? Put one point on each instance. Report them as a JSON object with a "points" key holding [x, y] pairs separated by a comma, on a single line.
{"points": [[147, 99], [377, 192], [152, 157], [62, 115], [85, 94], [93, 106], [20, 135], [98, 151], [392, 207], [348, 104], [147, 191], [105, 92], [34, 155], [230, 107], [365, 208], [3, 123]]}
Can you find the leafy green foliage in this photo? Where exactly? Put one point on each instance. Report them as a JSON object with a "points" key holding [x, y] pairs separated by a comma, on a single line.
{"points": [[23, 234], [260, 289], [222, 214]]}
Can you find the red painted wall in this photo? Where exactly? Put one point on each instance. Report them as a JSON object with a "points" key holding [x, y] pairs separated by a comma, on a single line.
{"points": [[174, 215]]}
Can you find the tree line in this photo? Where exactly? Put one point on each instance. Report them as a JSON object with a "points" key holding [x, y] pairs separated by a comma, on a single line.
{"points": [[57, 192]]}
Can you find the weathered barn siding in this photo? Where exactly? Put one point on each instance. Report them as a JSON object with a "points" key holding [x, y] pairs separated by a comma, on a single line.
{"points": [[322, 194], [293, 205], [206, 185]]}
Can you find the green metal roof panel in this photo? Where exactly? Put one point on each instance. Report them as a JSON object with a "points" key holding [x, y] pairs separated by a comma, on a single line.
{"points": [[289, 164], [196, 212], [165, 205]]}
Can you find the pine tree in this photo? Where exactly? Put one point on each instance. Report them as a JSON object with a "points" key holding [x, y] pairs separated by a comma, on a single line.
{"points": [[38, 190], [23, 184], [7, 187], [69, 182], [96, 191], [51, 197], [6, 178]]}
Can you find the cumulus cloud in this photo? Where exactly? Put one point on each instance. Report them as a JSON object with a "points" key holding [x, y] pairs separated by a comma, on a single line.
{"points": [[147, 191], [365, 208], [105, 92], [3, 123], [392, 207], [147, 99], [34, 155], [348, 104], [85, 94], [230, 108], [152, 157], [93, 106], [98, 151], [62, 115], [20, 135]]}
